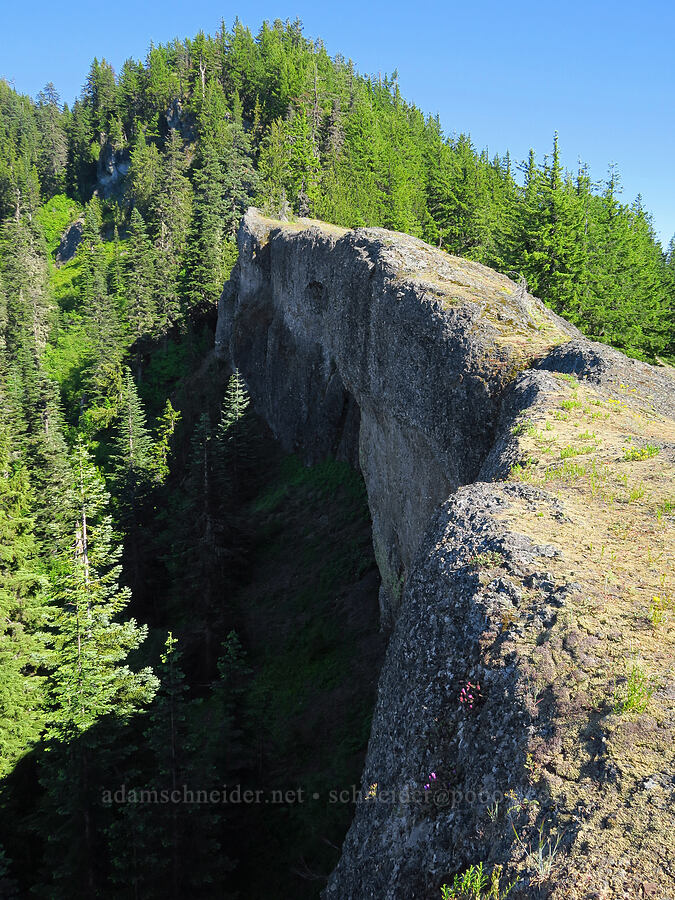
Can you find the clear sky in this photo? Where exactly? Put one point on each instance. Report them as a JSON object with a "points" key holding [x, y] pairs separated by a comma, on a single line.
{"points": [[509, 73]]}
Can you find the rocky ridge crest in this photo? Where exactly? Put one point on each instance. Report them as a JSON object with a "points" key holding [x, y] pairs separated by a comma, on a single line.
{"points": [[520, 481]]}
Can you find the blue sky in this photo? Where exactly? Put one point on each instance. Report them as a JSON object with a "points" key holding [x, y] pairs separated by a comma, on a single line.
{"points": [[509, 73]]}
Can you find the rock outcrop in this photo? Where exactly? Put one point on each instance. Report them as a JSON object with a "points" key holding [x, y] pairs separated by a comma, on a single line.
{"points": [[374, 347], [70, 241], [111, 169], [520, 481]]}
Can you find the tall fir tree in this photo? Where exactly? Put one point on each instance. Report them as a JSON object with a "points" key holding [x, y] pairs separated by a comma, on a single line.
{"points": [[172, 210], [133, 446], [140, 283], [22, 589], [89, 682], [87, 679]]}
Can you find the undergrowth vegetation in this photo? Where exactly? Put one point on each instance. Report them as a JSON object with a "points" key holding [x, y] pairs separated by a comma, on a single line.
{"points": [[475, 884]]}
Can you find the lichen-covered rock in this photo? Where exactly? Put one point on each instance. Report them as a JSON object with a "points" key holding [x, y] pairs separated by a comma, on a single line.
{"points": [[520, 480]]}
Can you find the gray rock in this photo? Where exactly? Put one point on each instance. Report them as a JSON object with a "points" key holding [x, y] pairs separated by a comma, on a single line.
{"points": [[609, 368], [179, 119], [415, 365], [375, 347], [111, 169], [70, 241]]}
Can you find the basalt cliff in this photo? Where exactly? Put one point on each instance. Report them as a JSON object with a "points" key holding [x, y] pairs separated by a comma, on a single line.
{"points": [[520, 483]]}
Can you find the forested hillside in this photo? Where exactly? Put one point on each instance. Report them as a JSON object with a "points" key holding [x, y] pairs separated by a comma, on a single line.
{"points": [[133, 501]]}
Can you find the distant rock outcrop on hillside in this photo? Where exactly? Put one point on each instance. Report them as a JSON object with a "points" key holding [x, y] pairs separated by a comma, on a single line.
{"points": [[520, 481], [70, 241], [111, 168]]}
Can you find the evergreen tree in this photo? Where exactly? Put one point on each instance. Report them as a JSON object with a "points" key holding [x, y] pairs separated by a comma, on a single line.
{"points": [[131, 92], [206, 264], [133, 446], [167, 736], [303, 165], [274, 167], [82, 152], [235, 437], [101, 319], [33, 407], [53, 141], [171, 849], [670, 291], [555, 263], [239, 178], [88, 680], [172, 210], [100, 96], [140, 282], [229, 695], [162, 446], [144, 173], [22, 583]]}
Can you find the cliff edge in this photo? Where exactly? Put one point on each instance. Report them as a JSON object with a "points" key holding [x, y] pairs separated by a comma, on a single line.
{"points": [[520, 482]]}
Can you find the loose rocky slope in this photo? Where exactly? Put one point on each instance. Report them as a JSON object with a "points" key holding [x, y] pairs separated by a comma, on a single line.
{"points": [[520, 482]]}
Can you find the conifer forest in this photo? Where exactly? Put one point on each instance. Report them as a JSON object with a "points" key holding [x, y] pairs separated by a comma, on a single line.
{"points": [[179, 597]]}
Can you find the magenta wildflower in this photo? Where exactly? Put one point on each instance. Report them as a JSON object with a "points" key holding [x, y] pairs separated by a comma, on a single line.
{"points": [[470, 694]]}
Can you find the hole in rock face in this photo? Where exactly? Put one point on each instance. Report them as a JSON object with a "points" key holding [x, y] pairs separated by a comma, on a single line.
{"points": [[316, 296]]}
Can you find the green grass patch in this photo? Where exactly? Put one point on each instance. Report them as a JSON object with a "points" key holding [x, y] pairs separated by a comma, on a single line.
{"points": [[168, 364], [665, 508], [636, 453], [567, 472], [66, 358], [569, 451], [475, 884], [635, 695], [487, 560], [66, 284], [636, 493], [324, 480], [570, 379], [55, 216], [312, 664]]}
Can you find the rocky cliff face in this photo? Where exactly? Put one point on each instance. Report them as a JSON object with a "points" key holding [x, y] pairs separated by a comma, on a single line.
{"points": [[111, 168], [520, 486], [374, 347]]}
